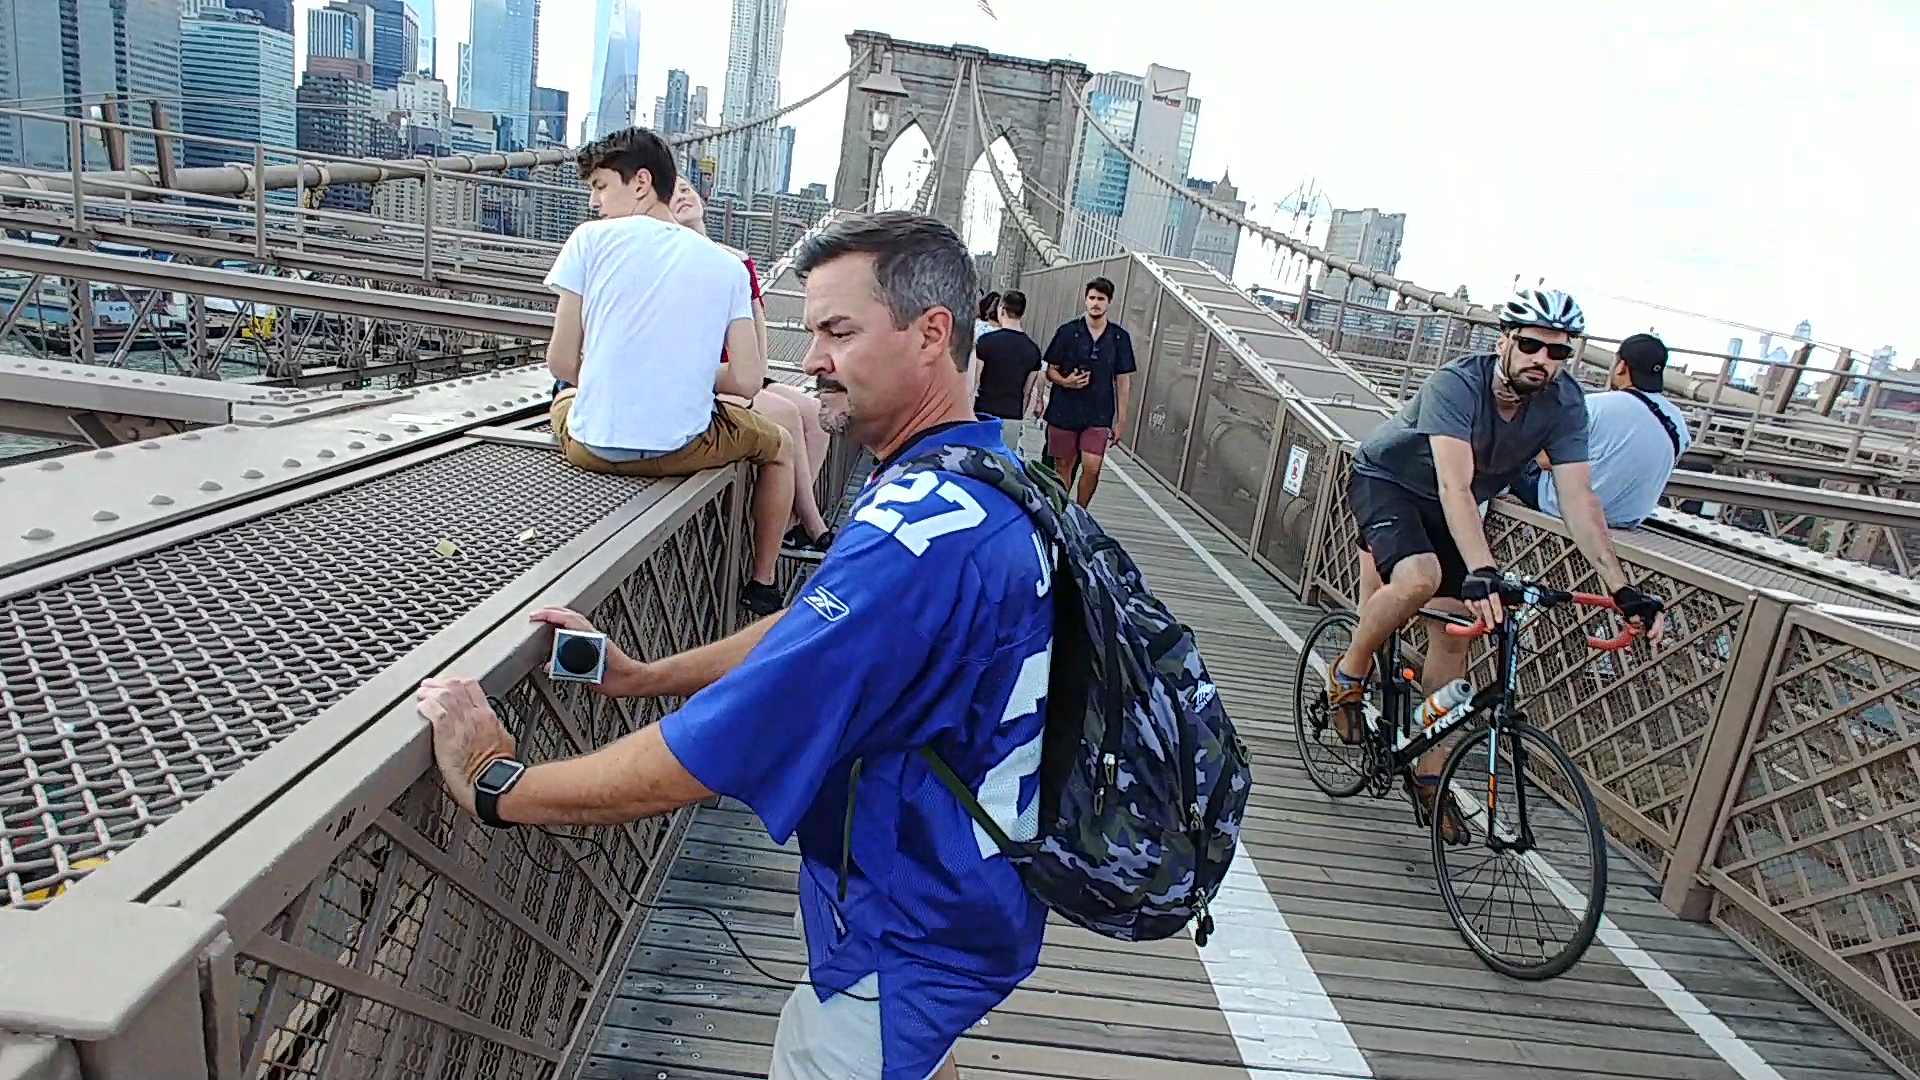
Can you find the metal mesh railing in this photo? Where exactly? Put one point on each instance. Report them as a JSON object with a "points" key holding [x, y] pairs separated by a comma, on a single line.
{"points": [[141, 685], [433, 947]]}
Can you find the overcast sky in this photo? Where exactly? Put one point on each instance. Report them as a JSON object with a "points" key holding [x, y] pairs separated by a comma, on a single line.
{"points": [[1750, 161]]}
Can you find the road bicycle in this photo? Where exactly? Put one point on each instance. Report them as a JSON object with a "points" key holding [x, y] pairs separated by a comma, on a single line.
{"points": [[1520, 833]]}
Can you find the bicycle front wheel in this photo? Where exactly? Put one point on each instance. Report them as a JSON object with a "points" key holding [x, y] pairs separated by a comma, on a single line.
{"points": [[1333, 766], [1528, 888]]}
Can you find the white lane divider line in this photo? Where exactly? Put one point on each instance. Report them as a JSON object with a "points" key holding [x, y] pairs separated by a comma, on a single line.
{"points": [[1681, 1002], [1283, 1023]]}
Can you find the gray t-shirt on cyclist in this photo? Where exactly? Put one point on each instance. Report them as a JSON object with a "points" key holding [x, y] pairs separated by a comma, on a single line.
{"points": [[1457, 400]]}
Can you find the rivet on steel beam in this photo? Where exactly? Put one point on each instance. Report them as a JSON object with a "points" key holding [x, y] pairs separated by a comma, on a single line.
{"points": [[383, 437], [265, 416], [37, 534], [469, 413], [113, 378], [191, 436], [411, 428], [324, 453], [160, 500], [51, 466], [302, 409], [356, 445], [149, 445], [137, 382], [252, 474], [235, 427], [493, 408], [105, 515], [291, 463], [103, 455], [93, 374], [209, 485]]}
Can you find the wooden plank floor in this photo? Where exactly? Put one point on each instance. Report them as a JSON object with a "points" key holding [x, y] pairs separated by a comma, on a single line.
{"points": [[1352, 880]]}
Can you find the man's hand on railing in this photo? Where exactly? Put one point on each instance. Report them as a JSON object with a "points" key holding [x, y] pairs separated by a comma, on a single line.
{"points": [[626, 677], [467, 735]]}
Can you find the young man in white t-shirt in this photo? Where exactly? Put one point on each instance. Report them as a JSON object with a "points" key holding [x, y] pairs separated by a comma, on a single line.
{"points": [[645, 308]]}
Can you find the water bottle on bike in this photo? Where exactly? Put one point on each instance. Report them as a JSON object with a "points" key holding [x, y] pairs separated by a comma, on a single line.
{"points": [[1444, 700]]}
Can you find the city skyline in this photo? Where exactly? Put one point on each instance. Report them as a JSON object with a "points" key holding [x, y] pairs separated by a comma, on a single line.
{"points": [[1766, 90], [1638, 215]]}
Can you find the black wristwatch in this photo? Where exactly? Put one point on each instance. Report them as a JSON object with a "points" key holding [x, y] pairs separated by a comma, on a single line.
{"points": [[495, 780]]}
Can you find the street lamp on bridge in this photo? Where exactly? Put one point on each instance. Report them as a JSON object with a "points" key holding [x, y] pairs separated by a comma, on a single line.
{"points": [[882, 89]]}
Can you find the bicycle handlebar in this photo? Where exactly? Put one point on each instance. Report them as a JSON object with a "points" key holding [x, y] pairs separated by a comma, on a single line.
{"points": [[1554, 596]]}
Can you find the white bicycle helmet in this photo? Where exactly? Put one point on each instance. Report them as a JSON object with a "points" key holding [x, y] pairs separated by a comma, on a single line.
{"points": [[1549, 309]]}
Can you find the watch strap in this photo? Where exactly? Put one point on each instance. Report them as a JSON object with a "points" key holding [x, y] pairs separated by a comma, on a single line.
{"points": [[486, 804]]}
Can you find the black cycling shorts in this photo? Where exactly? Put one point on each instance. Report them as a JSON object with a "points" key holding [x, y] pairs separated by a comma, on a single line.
{"points": [[1396, 524]]}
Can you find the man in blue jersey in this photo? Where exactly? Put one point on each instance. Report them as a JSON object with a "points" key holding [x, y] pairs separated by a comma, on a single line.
{"points": [[929, 623]]}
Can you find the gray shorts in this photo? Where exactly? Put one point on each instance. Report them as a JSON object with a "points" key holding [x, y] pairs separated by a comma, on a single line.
{"points": [[838, 1039]]}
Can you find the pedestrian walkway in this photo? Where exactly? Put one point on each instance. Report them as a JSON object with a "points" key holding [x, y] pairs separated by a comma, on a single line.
{"points": [[1333, 959]]}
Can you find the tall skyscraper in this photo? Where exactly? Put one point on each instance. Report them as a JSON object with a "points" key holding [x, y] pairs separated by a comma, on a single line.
{"points": [[670, 112], [396, 42], [505, 36], [429, 49], [614, 97], [784, 174], [277, 14], [1207, 237], [1156, 117], [343, 30], [749, 159], [1366, 236], [335, 116], [697, 107], [228, 55], [549, 117], [463, 78], [54, 51]]}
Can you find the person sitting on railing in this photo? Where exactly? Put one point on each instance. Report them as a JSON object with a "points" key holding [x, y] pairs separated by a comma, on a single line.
{"points": [[645, 308], [1635, 436], [934, 614], [795, 410], [1462, 438]]}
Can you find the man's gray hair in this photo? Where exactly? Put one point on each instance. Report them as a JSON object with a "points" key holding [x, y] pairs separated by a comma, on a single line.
{"points": [[918, 264]]}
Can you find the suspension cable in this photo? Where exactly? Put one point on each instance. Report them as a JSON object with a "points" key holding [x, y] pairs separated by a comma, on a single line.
{"points": [[1036, 237], [931, 184], [1437, 301], [685, 138]]}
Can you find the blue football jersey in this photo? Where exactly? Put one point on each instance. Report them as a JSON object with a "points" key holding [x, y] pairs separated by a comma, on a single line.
{"points": [[929, 623]]}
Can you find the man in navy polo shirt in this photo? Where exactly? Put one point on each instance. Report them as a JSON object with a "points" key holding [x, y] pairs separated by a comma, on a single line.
{"points": [[1090, 364], [929, 623]]}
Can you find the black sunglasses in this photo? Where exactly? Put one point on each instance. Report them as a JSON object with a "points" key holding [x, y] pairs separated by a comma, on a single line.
{"points": [[1529, 346]]}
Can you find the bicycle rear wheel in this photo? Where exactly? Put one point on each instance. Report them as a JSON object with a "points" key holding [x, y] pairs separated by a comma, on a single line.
{"points": [[1530, 906], [1334, 767]]}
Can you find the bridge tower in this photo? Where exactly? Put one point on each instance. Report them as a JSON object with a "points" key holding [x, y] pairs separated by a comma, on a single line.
{"points": [[1031, 100]]}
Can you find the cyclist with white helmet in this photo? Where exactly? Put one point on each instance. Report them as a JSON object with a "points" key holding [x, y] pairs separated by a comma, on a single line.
{"points": [[1418, 481]]}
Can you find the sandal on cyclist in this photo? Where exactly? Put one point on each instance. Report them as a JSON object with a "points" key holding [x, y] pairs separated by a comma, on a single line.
{"points": [[1346, 703], [1425, 791]]}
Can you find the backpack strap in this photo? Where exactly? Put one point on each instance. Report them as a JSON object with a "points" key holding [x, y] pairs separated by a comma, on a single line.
{"points": [[967, 802], [1673, 435]]}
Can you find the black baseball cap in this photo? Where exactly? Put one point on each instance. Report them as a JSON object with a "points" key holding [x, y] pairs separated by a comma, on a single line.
{"points": [[1646, 360]]}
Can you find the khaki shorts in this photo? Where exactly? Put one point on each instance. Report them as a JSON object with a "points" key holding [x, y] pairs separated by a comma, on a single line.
{"points": [[736, 434]]}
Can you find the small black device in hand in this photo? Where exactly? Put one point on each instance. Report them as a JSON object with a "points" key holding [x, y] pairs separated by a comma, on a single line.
{"points": [[578, 656]]}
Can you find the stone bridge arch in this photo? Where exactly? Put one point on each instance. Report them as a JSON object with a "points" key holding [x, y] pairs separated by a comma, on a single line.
{"points": [[1031, 102]]}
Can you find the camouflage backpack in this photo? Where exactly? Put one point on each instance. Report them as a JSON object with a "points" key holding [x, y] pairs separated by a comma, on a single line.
{"points": [[1143, 781]]}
